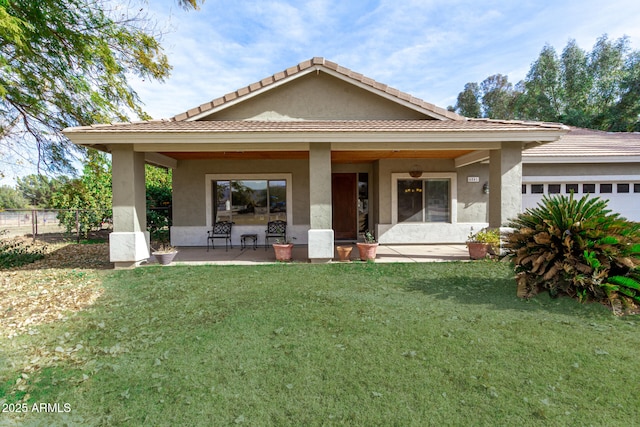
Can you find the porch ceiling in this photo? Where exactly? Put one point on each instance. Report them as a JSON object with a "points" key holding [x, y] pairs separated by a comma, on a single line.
{"points": [[358, 156]]}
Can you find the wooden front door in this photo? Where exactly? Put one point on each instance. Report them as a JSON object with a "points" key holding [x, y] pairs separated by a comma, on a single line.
{"points": [[344, 198]]}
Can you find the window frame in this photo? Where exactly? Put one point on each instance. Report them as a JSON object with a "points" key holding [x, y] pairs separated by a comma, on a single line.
{"points": [[605, 188], [569, 191], [621, 186], [453, 195], [537, 188], [587, 186], [211, 178], [556, 187]]}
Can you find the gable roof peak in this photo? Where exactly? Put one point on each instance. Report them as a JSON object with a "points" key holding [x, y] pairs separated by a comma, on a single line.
{"points": [[320, 64]]}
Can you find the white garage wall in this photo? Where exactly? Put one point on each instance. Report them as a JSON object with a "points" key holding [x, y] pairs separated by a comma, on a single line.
{"points": [[626, 204]]}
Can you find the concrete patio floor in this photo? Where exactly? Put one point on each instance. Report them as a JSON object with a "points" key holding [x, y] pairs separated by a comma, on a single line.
{"points": [[250, 256]]}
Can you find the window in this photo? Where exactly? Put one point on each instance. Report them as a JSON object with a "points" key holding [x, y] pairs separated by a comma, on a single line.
{"points": [[606, 188], [424, 200], [524, 188], [623, 188], [571, 188], [636, 188], [554, 188], [588, 188], [537, 188], [249, 201]]}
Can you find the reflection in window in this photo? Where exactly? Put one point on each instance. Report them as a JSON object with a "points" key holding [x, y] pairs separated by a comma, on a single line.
{"points": [[251, 201], [554, 188], [537, 188], [424, 200], [606, 188], [363, 202], [409, 200]]}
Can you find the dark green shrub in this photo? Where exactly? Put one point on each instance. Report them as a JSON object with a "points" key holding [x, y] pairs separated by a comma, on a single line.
{"points": [[15, 252], [578, 248]]}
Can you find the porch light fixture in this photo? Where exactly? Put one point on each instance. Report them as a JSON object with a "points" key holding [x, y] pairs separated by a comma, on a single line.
{"points": [[485, 188], [415, 172]]}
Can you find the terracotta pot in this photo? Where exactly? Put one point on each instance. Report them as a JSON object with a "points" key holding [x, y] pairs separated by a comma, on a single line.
{"points": [[165, 258], [367, 251], [283, 251], [478, 250], [344, 252]]}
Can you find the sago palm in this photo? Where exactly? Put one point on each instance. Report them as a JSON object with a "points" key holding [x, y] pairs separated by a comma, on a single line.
{"points": [[576, 247]]}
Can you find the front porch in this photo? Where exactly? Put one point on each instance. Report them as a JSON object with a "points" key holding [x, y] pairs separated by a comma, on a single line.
{"points": [[330, 152], [249, 256]]}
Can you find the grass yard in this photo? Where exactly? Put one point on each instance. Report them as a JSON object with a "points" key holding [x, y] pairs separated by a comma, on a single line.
{"points": [[338, 344]]}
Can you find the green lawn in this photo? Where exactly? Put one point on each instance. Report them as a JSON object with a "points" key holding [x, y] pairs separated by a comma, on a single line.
{"points": [[340, 344]]}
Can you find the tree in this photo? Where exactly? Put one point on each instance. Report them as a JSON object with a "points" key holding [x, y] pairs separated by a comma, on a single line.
{"points": [[494, 98], [65, 63], [598, 89], [190, 4], [91, 195], [38, 189], [10, 198], [158, 186], [543, 91], [159, 197], [88, 197], [468, 103], [498, 97], [616, 77], [626, 112], [576, 82]]}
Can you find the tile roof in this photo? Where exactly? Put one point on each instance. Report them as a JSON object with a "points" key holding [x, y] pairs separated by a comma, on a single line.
{"points": [[215, 126], [587, 144], [316, 63]]}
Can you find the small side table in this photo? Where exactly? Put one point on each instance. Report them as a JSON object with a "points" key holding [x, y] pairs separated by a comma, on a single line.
{"points": [[243, 241]]}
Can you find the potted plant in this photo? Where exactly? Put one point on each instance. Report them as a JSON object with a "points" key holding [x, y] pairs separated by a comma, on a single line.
{"points": [[283, 248], [344, 253], [161, 249], [368, 248], [483, 243]]}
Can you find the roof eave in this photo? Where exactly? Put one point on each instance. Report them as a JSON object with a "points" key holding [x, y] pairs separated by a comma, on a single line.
{"points": [[98, 137], [574, 159]]}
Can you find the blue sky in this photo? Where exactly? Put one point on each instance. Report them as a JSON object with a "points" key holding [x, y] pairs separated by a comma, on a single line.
{"points": [[427, 48], [430, 49]]}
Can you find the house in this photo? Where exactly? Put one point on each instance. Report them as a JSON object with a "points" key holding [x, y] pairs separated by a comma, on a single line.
{"points": [[326, 149], [586, 161]]}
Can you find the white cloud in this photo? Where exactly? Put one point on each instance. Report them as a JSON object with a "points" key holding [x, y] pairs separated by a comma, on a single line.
{"points": [[427, 48]]}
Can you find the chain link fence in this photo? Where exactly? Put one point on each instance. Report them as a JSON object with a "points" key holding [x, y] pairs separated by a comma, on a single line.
{"points": [[42, 223]]}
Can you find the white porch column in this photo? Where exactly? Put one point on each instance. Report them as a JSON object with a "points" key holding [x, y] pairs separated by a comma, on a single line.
{"points": [[129, 241], [505, 184], [320, 235]]}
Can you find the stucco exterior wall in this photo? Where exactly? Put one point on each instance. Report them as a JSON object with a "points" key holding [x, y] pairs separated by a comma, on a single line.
{"points": [[317, 97], [389, 166], [470, 211], [472, 201], [189, 186]]}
